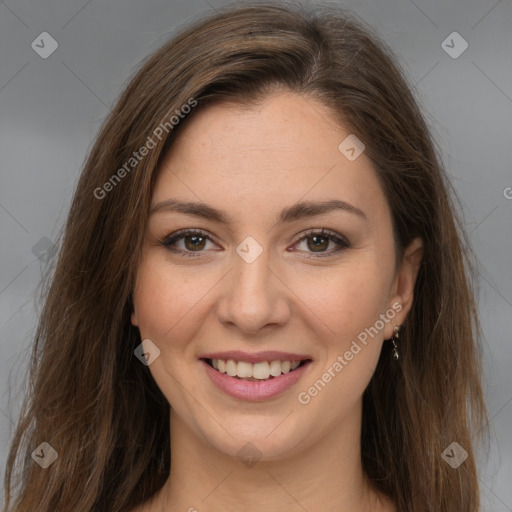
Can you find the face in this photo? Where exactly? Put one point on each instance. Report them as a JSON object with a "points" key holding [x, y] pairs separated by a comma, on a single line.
{"points": [[267, 275]]}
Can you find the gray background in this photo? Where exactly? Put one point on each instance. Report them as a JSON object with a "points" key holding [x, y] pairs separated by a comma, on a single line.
{"points": [[53, 107]]}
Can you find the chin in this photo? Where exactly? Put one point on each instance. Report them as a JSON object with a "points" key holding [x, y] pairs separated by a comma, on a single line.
{"points": [[265, 438]]}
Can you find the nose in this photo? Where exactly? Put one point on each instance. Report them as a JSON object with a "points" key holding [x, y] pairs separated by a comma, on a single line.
{"points": [[253, 296]]}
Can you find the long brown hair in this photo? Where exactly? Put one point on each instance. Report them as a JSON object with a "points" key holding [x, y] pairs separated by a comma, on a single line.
{"points": [[98, 406]]}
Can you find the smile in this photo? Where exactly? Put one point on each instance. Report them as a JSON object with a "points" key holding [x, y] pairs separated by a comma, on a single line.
{"points": [[261, 380], [253, 372]]}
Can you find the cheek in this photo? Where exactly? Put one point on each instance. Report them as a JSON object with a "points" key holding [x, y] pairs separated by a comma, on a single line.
{"points": [[350, 304], [167, 301], [347, 300]]}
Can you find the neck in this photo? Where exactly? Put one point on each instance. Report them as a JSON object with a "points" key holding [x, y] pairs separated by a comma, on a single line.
{"points": [[327, 475]]}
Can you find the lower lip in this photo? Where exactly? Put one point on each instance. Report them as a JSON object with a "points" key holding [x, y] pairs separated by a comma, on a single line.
{"points": [[253, 390]]}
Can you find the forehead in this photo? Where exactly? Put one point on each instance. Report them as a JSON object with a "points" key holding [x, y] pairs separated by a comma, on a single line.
{"points": [[277, 152]]}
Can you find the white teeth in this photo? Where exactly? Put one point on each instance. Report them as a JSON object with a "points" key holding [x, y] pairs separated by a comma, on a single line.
{"points": [[260, 371], [231, 367], [275, 368], [244, 369]]}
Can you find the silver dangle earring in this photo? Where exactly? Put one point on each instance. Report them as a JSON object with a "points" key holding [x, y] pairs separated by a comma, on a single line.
{"points": [[394, 339]]}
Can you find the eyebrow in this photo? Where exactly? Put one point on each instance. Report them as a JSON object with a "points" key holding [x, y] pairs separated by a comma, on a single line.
{"points": [[290, 214]]}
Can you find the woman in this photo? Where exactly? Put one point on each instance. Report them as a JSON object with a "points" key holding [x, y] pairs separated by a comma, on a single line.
{"points": [[262, 299]]}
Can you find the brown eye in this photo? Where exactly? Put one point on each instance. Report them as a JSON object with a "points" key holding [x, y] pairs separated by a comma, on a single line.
{"points": [[187, 242], [196, 242], [318, 242]]}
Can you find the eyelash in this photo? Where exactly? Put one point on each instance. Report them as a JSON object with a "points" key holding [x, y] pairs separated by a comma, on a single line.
{"points": [[171, 239]]}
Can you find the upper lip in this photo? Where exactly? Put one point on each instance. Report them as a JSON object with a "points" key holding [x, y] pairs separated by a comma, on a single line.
{"points": [[255, 357]]}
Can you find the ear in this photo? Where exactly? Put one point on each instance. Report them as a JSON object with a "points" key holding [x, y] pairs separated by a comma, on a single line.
{"points": [[402, 291]]}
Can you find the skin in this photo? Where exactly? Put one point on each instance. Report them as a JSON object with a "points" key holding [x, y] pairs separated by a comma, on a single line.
{"points": [[291, 298]]}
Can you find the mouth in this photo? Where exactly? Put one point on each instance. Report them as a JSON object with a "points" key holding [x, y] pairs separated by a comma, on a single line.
{"points": [[255, 372], [255, 376]]}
